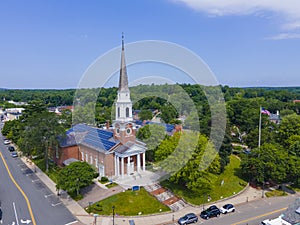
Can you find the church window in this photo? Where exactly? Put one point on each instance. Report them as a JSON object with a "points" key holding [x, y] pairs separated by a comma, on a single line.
{"points": [[118, 111], [127, 112]]}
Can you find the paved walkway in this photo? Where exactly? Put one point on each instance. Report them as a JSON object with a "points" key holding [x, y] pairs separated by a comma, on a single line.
{"points": [[95, 193], [249, 194]]}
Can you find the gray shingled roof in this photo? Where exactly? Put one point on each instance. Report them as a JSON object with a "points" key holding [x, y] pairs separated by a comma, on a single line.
{"points": [[290, 215]]}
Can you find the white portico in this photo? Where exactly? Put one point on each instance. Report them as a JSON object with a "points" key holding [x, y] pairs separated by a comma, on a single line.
{"points": [[129, 158]]}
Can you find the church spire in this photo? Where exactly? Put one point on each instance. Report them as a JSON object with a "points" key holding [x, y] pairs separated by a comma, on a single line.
{"points": [[123, 80]]}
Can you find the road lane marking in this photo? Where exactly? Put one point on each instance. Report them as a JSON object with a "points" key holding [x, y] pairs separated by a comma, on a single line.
{"points": [[19, 188], [259, 216], [16, 215], [35, 180]]}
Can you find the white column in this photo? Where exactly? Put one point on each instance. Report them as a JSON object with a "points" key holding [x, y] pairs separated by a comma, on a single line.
{"points": [[122, 167], [128, 165], [144, 161], [115, 161], [138, 162], [118, 166]]}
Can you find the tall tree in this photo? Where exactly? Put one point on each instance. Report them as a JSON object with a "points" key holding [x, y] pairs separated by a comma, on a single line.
{"points": [[290, 125], [269, 162], [152, 135], [41, 131], [76, 176]]}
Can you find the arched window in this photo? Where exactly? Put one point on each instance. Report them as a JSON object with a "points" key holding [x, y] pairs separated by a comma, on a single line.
{"points": [[127, 112], [118, 111]]}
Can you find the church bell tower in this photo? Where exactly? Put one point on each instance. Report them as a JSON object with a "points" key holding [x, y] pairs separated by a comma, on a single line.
{"points": [[124, 128]]}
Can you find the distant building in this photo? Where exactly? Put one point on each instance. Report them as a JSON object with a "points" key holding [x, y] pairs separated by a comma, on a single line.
{"points": [[17, 103], [58, 110], [275, 118], [12, 114]]}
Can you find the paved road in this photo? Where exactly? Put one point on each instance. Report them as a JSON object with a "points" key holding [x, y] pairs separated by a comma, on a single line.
{"points": [[252, 213], [46, 208]]}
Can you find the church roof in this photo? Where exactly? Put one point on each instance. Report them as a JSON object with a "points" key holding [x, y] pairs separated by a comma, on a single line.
{"points": [[93, 137], [123, 81], [100, 140], [130, 148]]}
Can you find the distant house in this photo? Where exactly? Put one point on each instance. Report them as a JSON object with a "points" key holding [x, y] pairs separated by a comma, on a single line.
{"points": [[169, 128], [12, 114], [59, 109], [275, 118], [17, 103]]}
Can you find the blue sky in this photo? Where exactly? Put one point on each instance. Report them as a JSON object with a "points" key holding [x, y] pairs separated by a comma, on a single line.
{"points": [[50, 44]]}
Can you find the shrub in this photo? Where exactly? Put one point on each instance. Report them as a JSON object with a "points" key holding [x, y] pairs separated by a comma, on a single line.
{"points": [[104, 179]]}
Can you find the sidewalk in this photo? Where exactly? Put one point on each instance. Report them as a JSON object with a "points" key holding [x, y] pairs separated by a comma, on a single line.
{"points": [[249, 194]]}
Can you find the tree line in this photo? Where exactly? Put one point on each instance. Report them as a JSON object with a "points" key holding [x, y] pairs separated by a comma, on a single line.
{"points": [[280, 143]]}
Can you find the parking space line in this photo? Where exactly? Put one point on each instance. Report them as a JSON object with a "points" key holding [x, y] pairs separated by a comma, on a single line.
{"points": [[46, 196], [56, 204], [35, 180]]}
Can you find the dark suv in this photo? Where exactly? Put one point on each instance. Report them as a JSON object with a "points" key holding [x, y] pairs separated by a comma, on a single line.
{"points": [[212, 211], [11, 148], [188, 218]]}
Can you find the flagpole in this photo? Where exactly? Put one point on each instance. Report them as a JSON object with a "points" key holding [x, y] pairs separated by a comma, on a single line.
{"points": [[259, 127]]}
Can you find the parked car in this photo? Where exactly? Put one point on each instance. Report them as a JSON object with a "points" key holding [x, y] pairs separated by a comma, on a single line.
{"points": [[188, 218], [227, 208], [6, 142], [212, 211], [14, 154], [11, 148]]}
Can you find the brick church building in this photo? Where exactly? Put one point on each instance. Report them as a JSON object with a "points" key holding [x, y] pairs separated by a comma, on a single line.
{"points": [[114, 152]]}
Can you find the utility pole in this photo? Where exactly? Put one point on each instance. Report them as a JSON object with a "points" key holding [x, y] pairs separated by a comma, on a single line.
{"points": [[113, 211]]}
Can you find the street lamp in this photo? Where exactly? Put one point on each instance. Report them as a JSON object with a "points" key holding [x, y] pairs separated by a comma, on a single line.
{"points": [[204, 195], [263, 190], [113, 211]]}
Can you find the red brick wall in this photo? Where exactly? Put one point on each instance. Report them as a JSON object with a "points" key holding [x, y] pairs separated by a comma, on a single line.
{"points": [[106, 159], [109, 165], [66, 153]]}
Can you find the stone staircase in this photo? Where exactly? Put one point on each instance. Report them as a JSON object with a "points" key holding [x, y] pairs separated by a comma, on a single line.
{"points": [[166, 197]]}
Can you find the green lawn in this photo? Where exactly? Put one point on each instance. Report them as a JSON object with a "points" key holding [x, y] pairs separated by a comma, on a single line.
{"points": [[274, 193], [129, 203], [232, 184], [110, 185]]}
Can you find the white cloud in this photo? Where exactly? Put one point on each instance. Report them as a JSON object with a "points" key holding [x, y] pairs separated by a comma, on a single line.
{"points": [[282, 36], [287, 10]]}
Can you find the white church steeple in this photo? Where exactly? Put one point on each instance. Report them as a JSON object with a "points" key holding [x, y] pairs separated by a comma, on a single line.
{"points": [[123, 104]]}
